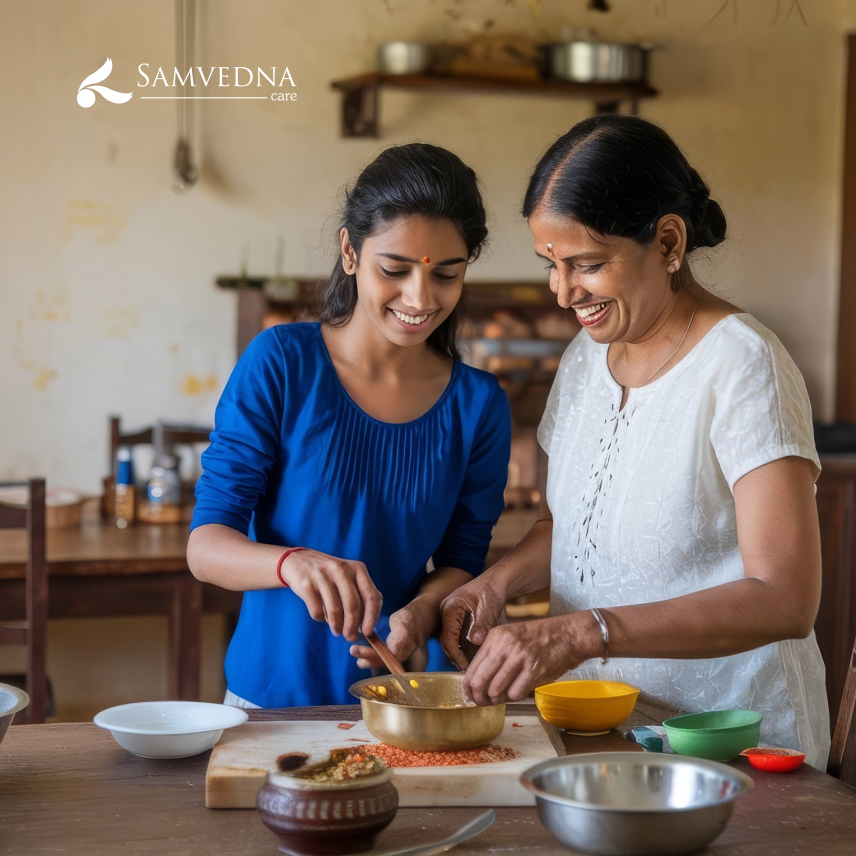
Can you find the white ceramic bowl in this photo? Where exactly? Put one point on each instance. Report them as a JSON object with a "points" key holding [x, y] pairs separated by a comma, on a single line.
{"points": [[11, 701], [168, 729]]}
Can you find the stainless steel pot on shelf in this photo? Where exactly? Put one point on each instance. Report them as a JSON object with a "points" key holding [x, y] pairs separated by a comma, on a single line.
{"points": [[597, 62], [404, 57]]}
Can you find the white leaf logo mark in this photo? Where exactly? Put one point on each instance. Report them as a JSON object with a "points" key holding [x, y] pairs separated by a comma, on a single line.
{"points": [[85, 96]]}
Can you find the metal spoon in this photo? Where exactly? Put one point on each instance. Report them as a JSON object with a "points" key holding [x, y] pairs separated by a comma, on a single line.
{"points": [[473, 828]]}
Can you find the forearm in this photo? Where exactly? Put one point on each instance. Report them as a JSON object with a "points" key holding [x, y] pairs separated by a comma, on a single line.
{"points": [[440, 583], [526, 568], [776, 599], [716, 622], [223, 556], [435, 588]]}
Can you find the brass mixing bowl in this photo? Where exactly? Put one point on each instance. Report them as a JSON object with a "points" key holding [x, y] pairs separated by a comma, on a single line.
{"points": [[445, 721]]}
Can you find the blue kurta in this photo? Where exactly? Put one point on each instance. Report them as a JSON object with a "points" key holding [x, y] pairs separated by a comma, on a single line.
{"points": [[294, 461]]}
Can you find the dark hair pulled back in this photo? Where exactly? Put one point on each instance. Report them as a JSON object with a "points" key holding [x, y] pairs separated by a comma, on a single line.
{"points": [[416, 179], [618, 175]]}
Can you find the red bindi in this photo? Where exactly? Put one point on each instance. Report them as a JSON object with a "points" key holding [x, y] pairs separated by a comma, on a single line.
{"points": [[426, 259]]}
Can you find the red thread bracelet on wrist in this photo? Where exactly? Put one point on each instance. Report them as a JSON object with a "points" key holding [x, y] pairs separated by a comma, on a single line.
{"points": [[282, 558]]}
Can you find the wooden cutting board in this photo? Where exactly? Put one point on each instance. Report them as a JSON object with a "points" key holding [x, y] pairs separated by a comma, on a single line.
{"points": [[241, 760]]}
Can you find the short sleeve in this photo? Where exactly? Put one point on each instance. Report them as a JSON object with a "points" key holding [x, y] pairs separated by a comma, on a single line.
{"points": [[246, 437], [481, 500], [762, 410]]}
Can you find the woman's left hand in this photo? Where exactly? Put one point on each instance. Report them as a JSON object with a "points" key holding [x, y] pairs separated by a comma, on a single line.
{"points": [[518, 657], [409, 629]]}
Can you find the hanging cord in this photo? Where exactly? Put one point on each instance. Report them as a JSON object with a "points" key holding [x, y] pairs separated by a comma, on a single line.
{"points": [[185, 20], [179, 62], [189, 38]]}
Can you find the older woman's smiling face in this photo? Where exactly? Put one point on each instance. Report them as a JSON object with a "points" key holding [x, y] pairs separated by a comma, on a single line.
{"points": [[617, 287]]}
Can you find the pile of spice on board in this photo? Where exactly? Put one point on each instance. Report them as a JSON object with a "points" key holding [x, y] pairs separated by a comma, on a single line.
{"points": [[343, 765], [395, 757], [346, 767]]}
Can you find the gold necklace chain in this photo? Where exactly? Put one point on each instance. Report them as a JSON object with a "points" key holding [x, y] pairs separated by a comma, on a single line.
{"points": [[660, 367]]}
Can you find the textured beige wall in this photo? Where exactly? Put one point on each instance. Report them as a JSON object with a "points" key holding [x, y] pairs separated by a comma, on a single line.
{"points": [[107, 301], [106, 275]]}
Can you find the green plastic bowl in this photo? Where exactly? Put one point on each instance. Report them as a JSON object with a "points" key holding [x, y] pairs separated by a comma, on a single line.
{"points": [[718, 735]]}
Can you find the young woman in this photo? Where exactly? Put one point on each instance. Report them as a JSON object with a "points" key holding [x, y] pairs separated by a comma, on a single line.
{"points": [[680, 536], [348, 453]]}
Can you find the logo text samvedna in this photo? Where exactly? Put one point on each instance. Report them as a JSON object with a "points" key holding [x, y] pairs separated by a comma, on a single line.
{"points": [[221, 76]]}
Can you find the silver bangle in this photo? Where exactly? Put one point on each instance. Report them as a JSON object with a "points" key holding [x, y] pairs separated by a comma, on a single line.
{"points": [[604, 630]]}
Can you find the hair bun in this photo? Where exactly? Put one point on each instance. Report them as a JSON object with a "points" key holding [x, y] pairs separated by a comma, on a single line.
{"points": [[710, 225]]}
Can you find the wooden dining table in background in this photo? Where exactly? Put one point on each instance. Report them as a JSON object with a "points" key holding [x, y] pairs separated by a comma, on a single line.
{"points": [[98, 570]]}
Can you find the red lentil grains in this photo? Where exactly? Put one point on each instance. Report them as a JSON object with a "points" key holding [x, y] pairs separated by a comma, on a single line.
{"points": [[395, 757]]}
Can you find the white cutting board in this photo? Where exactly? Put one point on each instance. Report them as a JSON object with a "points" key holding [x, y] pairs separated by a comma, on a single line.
{"points": [[241, 760]]}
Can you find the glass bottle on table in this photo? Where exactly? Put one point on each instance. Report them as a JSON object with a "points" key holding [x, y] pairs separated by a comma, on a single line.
{"points": [[125, 503], [164, 485]]}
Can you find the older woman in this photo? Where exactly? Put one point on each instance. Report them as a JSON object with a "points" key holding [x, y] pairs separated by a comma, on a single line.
{"points": [[679, 535]]}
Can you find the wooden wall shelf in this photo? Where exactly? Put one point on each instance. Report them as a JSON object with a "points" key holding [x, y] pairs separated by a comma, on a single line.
{"points": [[361, 94], [307, 289], [479, 294]]}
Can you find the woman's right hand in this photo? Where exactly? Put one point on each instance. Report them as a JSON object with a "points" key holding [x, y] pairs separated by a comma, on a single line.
{"points": [[337, 591], [477, 599]]}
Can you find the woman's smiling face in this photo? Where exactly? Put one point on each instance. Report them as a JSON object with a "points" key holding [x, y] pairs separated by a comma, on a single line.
{"points": [[617, 287], [409, 276]]}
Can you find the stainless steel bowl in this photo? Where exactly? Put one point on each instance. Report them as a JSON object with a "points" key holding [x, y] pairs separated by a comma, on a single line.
{"points": [[404, 57], [597, 62], [634, 804], [446, 721]]}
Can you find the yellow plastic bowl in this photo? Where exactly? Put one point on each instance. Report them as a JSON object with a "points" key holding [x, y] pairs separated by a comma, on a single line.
{"points": [[586, 705]]}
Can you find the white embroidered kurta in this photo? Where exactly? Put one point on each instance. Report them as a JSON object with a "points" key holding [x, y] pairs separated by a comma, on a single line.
{"points": [[643, 508]]}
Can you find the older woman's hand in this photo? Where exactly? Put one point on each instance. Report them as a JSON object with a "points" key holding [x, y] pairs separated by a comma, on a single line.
{"points": [[518, 657], [478, 600]]}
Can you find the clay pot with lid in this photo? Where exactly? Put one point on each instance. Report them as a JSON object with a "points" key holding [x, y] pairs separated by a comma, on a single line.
{"points": [[321, 818]]}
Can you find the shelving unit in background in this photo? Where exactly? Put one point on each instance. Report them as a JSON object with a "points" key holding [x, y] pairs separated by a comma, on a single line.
{"points": [[361, 94]]}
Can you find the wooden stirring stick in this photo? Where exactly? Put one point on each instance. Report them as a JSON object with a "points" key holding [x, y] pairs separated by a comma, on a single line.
{"points": [[394, 665], [389, 659]]}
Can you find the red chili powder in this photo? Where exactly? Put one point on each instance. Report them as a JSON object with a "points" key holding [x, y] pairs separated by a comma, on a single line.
{"points": [[762, 750], [395, 757]]}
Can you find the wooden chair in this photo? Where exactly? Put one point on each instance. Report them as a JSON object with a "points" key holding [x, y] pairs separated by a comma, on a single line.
{"points": [[842, 756], [33, 631], [173, 435], [185, 646]]}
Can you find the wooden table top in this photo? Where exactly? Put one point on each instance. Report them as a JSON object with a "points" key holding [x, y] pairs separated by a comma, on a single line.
{"points": [[97, 547], [70, 788]]}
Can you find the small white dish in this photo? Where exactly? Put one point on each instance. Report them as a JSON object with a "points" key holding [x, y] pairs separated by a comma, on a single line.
{"points": [[11, 701], [168, 729]]}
